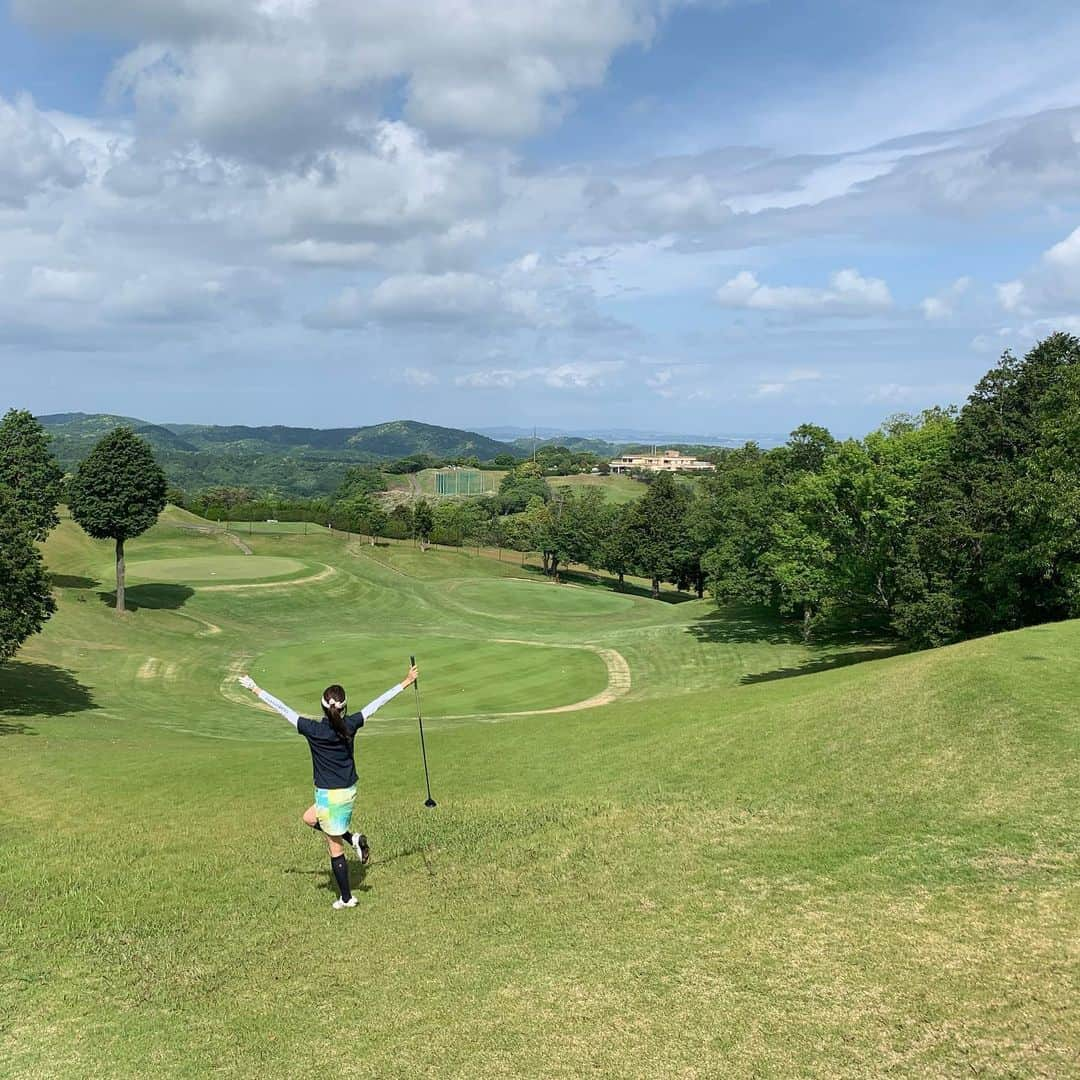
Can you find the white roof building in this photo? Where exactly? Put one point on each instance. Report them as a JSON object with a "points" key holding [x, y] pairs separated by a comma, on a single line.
{"points": [[662, 461]]}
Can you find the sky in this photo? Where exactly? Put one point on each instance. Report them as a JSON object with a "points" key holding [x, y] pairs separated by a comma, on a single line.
{"points": [[680, 215]]}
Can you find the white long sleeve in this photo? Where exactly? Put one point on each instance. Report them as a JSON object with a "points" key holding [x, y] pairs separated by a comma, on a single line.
{"points": [[278, 706], [373, 707]]}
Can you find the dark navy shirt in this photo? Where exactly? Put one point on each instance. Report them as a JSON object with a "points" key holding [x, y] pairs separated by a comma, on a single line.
{"points": [[331, 756]]}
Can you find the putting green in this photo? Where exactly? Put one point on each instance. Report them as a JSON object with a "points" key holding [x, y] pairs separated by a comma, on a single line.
{"points": [[514, 597], [216, 569], [458, 676]]}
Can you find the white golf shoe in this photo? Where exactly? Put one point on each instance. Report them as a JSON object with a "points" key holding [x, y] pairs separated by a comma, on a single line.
{"points": [[339, 903]]}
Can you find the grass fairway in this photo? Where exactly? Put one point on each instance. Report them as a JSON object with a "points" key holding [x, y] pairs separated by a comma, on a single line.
{"points": [[756, 859], [616, 489]]}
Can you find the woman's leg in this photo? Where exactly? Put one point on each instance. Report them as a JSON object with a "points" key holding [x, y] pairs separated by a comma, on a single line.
{"points": [[340, 867], [310, 817]]}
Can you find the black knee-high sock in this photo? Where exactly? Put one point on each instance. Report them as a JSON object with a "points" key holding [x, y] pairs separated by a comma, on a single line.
{"points": [[341, 876]]}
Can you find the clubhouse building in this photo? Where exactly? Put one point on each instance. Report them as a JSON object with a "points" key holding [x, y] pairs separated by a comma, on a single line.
{"points": [[666, 461]]}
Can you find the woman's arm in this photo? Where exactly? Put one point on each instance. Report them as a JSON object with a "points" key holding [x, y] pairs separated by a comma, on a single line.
{"points": [[279, 706], [373, 707]]}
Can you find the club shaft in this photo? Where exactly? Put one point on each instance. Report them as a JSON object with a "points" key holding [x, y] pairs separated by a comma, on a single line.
{"points": [[423, 748], [420, 721]]}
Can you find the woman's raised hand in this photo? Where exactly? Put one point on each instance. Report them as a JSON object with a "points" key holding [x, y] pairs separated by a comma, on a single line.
{"points": [[411, 677], [248, 683]]}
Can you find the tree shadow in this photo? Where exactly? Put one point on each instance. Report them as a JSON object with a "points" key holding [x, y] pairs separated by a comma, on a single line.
{"points": [[825, 663], [28, 689], [588, 580], [839, 642], [747, 623], [739, 624], [159, 597], [72, 581]]}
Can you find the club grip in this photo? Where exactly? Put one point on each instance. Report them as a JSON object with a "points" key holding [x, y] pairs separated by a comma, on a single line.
{"points": [[412, 661]]}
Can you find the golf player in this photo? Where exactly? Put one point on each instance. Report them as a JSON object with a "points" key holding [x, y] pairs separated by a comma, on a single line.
{"points": [[330, 741]]}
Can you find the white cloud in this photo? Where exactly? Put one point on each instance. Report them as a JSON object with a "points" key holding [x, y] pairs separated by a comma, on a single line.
{"points": [[451, 297], [72, 286], [1065, 255], [493, 378], [1052, 287], [849, 293], [34, 155], [1010, 295], [579, 375], [325, 253], [943, 304], [273, 79], [419, 377], [781, 384]]}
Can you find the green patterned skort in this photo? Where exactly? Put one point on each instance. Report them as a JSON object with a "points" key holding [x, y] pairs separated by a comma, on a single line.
{"points": [[333, 807]]}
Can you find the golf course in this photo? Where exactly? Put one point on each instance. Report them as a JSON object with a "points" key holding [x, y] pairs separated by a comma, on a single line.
{"points": [[671, 840]]}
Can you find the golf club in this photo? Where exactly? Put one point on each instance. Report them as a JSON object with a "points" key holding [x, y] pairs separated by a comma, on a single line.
{"points": [[429, 801]]}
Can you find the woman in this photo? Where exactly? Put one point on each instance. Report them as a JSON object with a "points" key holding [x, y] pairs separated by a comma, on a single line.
{"points": [[330, 741]]}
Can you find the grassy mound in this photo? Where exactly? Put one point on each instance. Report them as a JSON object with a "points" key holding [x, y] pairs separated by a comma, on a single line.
{"points": [[866, 870], [218, 568], [531, 600]]}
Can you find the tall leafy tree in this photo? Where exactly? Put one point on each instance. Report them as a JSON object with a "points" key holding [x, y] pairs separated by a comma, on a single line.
{"points": [[29, 472], [657, 522], [25, 600], [616, 554], [117, 494], [423, 522], [732, 523], [377, 521], [996, 544]]}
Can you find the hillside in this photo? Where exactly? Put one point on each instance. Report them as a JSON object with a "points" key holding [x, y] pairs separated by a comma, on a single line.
{"points": [[290, 461], [671, 840]]}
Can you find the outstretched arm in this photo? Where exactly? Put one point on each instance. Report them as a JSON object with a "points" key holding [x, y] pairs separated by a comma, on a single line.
{"points": [[279, 706], [373, 707]]}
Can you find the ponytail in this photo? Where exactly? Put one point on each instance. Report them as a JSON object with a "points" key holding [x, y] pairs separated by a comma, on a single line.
{"points": [[333, 704]]}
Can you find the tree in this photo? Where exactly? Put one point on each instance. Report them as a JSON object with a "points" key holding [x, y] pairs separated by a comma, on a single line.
{"points": [[376, 522], [117, 494], [657, 521], [519, 487], [808, 447], [798, 565], [25, 600], [731, 523], [423, 522], [361, 480], [996, 542], [616, 554], [29, 472]]}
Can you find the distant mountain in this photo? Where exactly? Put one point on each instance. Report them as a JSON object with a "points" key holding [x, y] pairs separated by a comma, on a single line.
{"points": [[74, 434], [384, 442], [291, 461], [619, 438]]}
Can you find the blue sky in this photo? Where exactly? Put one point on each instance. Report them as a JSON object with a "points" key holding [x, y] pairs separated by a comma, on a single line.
{"points": [[667, 214]]}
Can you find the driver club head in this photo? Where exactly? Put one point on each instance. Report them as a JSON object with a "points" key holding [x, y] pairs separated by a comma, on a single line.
{"points": [[430, 802]]}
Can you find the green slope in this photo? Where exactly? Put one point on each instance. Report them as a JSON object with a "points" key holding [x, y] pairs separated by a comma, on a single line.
{"points": [[865, 870]]}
